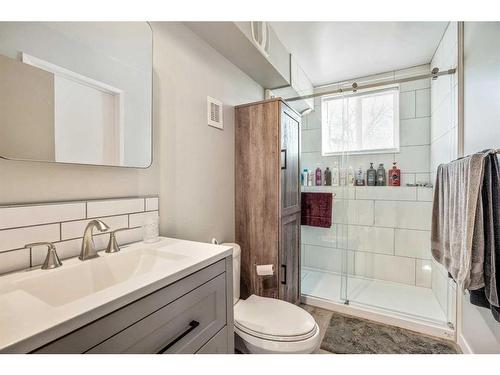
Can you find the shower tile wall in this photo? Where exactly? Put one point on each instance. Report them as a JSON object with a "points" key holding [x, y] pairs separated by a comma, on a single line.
{"points": [[385, 229], [443, 136]]}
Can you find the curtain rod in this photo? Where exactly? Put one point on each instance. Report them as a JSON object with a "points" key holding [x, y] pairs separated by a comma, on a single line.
{"points": [[434, 74]]}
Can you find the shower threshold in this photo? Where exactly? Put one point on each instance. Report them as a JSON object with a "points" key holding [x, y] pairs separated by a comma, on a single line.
{"points": [[406, 306]]}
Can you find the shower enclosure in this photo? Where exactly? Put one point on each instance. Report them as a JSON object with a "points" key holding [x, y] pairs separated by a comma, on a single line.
{"points": [[375, 260]]}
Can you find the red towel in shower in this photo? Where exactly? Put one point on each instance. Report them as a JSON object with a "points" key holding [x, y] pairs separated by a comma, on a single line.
{"points": [[316, 209]]}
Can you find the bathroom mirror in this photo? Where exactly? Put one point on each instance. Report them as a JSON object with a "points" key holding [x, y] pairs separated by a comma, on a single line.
{"points": [[76, 92]]}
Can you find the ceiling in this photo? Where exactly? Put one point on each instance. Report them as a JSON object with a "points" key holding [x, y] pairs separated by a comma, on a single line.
{"points": [[336, 51]]}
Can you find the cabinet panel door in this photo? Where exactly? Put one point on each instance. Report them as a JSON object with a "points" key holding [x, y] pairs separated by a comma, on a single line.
{"points": [[290, 166], [290, 258]]}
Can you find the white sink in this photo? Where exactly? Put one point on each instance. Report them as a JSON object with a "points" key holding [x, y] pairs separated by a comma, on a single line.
{"points": [[67, 284], [37, 306]]}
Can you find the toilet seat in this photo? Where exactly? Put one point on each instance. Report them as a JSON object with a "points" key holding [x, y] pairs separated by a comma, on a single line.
{"points": [[268, 325]]}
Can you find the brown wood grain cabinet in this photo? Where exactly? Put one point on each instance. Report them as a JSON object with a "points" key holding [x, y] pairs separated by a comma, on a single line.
{"points": [[267, 194]]}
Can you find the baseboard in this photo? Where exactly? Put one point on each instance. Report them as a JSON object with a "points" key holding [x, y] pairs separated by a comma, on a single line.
{"points": [[464, 345]]}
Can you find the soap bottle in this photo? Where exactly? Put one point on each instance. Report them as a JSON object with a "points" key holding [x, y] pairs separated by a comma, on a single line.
{"points": [[319, 179], [360, 177], [394, 176], [371, 176], [335, 175], [328, 177], [343, 177], [310, 178], [350, 176], [381, 178], [304, 176]]}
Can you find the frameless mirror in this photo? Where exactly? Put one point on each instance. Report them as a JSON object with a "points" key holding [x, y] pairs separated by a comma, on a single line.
{"points": [[76, 92]]}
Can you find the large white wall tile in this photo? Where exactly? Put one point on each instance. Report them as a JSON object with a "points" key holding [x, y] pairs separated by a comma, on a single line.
{"points": [[423, 275], [371, 239], [311, 140], [385, 267], [357, 212], [114, 207], [328, 259], [326, 237], [19, 216], [416, 85], [413, 159], [405, 215], [75, 229], [413, 243], [394, 193], [423, 103], [425, 194], [407, 105], [415, 132], [16, 238]]}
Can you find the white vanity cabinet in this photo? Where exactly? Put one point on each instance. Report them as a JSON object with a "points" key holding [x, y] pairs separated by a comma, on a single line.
{"points": [[192, 315]]}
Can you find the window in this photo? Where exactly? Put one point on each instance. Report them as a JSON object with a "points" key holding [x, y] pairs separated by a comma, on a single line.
{"points": [[361, 123]]}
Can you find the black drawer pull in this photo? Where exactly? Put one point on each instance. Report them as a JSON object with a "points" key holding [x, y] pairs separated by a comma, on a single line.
{"points": [[283, 266], [192, 325]]}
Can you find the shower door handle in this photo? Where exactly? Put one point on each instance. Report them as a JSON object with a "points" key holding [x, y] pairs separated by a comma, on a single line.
{"points": [[283, 159]]}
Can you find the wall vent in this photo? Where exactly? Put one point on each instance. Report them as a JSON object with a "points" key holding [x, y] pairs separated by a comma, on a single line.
{"points": [[214, 113]]}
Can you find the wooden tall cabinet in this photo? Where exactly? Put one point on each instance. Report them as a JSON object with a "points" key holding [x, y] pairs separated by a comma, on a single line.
{"points": [[267, 193]]}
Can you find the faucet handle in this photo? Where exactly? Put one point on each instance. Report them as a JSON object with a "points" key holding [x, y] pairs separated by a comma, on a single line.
{"points": [[51, 260], [113, 244]]}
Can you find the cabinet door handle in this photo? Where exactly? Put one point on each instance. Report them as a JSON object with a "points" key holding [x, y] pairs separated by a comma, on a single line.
{"points": [[192, 325], [283, 159], [283, 266]]}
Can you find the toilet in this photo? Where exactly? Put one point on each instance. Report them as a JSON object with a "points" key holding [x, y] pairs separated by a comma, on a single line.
{"points": [[267, 325]]}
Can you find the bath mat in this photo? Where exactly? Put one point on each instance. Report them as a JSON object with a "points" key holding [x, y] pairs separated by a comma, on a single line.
{"points": [[350, 335]]}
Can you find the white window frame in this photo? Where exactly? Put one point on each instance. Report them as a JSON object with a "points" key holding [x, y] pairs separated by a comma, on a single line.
{"points": [[324, 122]]}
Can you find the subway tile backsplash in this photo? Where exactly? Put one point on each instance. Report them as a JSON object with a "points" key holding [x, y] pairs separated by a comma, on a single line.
{"points": [[63, 224]]}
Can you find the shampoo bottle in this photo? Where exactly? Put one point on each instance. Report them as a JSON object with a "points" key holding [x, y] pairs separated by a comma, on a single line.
{"points": [[310, 178], [371, 176], [319, 179], [350, 176], [328, 177], [381, 178], [335, 175], [394, 176], [360, 177], [304, 176]]}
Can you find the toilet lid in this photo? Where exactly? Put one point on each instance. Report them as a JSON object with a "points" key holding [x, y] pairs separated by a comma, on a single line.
{"points": [[274, 319]]}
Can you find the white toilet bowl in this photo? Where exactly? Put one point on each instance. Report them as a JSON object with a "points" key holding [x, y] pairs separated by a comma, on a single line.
{"points": [[267, 325]]}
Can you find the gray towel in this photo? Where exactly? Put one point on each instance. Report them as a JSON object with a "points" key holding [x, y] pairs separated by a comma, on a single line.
{"points": [[491, 214], [457, 220]]}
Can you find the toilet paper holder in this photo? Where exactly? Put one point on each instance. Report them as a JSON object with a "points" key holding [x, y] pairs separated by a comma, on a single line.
{"points": [[264, 269]]}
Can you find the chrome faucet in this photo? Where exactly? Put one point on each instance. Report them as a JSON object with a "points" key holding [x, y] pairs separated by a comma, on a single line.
{"points": [[51, 260], [88, 246]]}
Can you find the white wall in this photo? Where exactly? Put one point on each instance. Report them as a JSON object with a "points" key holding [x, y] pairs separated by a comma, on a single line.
{"points": [[193, 166], [443, 137], [197, 161], [387, 228], [482, 130]]}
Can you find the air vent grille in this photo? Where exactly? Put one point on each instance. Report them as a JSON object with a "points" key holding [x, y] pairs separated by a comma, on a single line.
{"points": [[214, 113]]}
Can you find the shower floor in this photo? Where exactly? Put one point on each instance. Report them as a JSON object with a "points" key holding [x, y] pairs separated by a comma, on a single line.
{"points": [[405, 299]]}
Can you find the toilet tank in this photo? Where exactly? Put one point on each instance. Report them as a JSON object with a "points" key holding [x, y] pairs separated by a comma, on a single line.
{"points": [[236, 270]]}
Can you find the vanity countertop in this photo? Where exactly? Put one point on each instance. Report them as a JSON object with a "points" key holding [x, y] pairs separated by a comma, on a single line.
{"points": [[39, 306]]}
